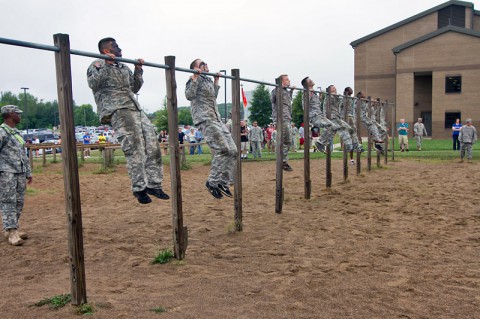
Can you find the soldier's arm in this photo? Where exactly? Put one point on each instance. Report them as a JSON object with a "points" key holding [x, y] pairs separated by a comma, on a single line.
{"points": [[136, 79], [273, 99], [474, 135], [191, 89], [217, 88], [95, 75]]}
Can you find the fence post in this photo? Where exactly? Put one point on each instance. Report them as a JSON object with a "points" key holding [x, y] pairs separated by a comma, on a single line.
{"points": [[369, 148], [70, 170], [377, 107], [237, 191], [345, 152], [328, 158], [359, 133], [44, 157], [383, 114], [306, 144], [279, 147], [180, 233], [31, 157], [394, 125]]}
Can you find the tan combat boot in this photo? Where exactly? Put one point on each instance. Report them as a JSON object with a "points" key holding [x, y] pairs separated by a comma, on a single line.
{"points": [[22, 235], [13, 238]]}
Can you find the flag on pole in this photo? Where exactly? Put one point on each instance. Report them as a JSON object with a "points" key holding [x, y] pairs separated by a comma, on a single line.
{"points": [[244, 98]]}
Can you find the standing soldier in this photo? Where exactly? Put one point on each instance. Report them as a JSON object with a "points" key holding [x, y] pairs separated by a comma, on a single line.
{"points": [[202, 93], [14, 173], [419, 130], [287, 117], [256, 138], [467, 137], [114, 87], [294, 143]]}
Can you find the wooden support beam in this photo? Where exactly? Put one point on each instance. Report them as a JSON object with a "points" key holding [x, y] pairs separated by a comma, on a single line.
{"points": [[180, 233], [358, 106], [394, 128], [70, 170], [369, 148], [237, 191], [279, 148], [345, 151], [306, 144], [328, 158], [383, 114]]}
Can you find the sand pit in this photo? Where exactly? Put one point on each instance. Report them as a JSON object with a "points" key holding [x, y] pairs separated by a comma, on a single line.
{"points": [[398, 242]]}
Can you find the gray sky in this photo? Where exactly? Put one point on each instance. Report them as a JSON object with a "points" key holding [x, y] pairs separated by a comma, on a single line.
{"points": [[262, 38]]}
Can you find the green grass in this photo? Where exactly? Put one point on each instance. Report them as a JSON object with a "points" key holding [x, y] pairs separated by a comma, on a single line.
{"points": [[85, 310], [55, 302], [159, 309], [163, 257]]}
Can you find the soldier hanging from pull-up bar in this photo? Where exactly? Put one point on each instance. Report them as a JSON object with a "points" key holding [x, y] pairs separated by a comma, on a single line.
{"points": [[370, 125], [114, 87], [350, 104]]}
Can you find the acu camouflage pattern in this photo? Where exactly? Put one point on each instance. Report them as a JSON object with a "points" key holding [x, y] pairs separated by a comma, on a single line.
{"points": [[14, 171], [341, 126], [114, 87], [467, 137], [202, 95], [351, 120], [370, 125], [256, 138], [287, 118], [419, 130], [382, 130]]}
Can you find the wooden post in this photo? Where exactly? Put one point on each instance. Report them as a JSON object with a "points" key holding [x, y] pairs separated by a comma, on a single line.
{"points": [[237, 191], [54, 152], [369, 148], [359, 130], [377, 106], [306, 144], [394, 126], [183, 155], [383, 114], [70, 170], [180, 233], [345, 151], [82, 153], [279, 147], [44, 157], [31, 150], [328, 158]]}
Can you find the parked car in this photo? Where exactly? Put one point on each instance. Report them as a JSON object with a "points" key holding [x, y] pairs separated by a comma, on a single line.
{"points": [[50, 150]]}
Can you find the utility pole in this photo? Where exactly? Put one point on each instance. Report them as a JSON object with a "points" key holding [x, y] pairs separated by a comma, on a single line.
{"points": [[25, 105]]}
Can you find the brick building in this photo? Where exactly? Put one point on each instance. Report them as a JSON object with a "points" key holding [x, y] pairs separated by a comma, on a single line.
{"points": [[429, 64]]}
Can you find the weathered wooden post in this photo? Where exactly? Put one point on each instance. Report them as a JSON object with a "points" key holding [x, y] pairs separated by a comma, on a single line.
{"points": [[70, 170], [345, 151], [383, 115], [54, 152], [279, 147], [377, 107], [31, 150], [44, 157], [369, 148], [394, 127], [180, 232], [306, 144], [358, 106], [237, 191], [328, 158]]}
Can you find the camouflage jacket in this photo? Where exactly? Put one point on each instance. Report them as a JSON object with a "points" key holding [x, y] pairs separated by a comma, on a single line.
{"points": [[13, 157], [114, 87], [419, 129], [468, 134], [202, 95], [352, 104], [255, 134], [287, 104], [336, 103], [316, 108]]}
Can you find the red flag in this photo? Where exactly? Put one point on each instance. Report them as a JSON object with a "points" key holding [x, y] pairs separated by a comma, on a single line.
{"points": [[244, 99]]}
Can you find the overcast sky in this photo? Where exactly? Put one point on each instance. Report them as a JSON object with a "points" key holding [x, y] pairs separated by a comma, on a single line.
{"points": [[262, 38]]}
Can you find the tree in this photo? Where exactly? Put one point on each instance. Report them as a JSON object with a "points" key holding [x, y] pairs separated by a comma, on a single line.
{"points": [[261, 107], [297, 109], [84, 115]]}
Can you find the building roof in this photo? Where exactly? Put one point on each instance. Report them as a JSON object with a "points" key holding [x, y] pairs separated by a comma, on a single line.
{"points": [[423, 38], [413, 18]]}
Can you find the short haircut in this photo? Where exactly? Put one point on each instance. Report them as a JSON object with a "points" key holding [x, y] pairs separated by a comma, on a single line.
{"points": [[359, 94], [192, 65], [102, 44], [347, 89], [282, 76], [329, 88], [304, 81]]}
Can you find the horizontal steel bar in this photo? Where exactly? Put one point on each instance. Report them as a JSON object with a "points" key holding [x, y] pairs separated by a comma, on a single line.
{"points": [[106, 57], [29, 45], [258, 82], [206, 73]]}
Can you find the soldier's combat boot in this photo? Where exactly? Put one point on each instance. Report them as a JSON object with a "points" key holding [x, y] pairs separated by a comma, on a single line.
{"points": [[320, 147], [157, 192], [215, 191], [287, 167], [142, 197], [22, 235], [225, 190], [13, 238]]}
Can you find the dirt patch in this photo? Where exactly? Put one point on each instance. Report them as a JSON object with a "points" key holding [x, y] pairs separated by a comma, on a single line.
{"points": [[398, 242]]}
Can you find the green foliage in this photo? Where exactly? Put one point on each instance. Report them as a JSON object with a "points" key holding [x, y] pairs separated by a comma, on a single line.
{"points": [[159, 309], [261, 107], [85, 310], [160, 118], [297, 109], [163, 257], [55, 302], [84, 115]]}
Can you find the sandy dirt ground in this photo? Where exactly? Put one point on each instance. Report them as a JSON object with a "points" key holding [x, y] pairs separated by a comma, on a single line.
{"points": [[402, 241]]}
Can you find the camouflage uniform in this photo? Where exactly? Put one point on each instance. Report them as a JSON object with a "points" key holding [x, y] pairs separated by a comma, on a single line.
{"points": [[467, 137], [256, 138], [418, 131], [114, 87], [382, 130], [202, 94], [293, 144], [318, 119], [343, 128], [14, 172], [287, 118], [351, 121], [370, 125]]}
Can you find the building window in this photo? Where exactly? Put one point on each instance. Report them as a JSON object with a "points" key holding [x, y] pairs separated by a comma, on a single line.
{"points": [[451, 15], [453, 84], [450, 118]]}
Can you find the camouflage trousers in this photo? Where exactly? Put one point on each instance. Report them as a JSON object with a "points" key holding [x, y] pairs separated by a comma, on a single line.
{"points": [[372, 128], [343, 129], [466, 147], [139, 142], [287, 139], [223, 149], [329, 128], [12, 194], [353, 130], [256, 148], [418, 139]]}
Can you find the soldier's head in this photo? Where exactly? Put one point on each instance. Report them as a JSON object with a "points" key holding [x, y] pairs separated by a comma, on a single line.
{"points": [[348, 91], [332, 89], [469, 122], [255, 123], [419, 120], [285, 80], [199, 65], [11, 114], [109, 45], [307, 82], [361, 95]]}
